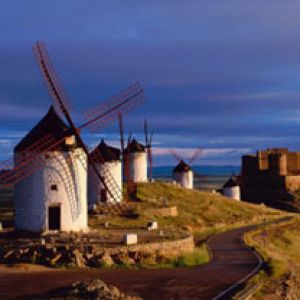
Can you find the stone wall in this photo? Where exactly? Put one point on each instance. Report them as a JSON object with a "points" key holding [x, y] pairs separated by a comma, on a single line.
{"points": [[167, 248], [292, 183], [91, 254], [164, 211]]}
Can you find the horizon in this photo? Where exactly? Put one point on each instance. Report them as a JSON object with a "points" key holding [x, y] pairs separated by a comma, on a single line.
{"points": [[224, 81]]}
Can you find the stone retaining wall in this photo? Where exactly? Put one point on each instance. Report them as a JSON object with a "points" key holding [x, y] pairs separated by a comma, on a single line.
{"points": [[89, 254], [167, 248], [164, 211]]}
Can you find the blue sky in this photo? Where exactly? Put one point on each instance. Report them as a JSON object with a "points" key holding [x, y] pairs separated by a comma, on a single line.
{"points": [[222, 75]]}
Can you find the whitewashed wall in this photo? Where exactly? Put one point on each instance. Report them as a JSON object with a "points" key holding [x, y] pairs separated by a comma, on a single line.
{"points": [[233, 192], [94, 186], [33, 194], [138, 166], [185, 179]]}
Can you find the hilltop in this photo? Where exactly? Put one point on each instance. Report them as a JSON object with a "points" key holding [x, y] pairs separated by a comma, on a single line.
{"points": [[199, 212]]}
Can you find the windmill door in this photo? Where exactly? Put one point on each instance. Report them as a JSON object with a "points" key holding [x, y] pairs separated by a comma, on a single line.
{"points": [[54, 218], [103, 195]]}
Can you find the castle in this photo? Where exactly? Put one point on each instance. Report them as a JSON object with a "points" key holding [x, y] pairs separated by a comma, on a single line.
{"points": [[275, 170]]}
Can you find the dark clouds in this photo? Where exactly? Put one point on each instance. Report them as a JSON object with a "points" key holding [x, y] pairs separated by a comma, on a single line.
{"points": [[219, 74]]}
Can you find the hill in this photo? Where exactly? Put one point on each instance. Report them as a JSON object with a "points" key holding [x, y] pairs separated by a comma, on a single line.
{"points": [[279, 246], [200, 213]]}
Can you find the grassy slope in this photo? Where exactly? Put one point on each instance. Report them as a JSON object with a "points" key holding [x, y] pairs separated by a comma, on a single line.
{"points": [[279, 245], [201, 213]]}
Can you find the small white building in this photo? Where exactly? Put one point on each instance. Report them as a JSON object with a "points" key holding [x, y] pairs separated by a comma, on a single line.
{"points": [[183, 175], [231, 189], [107, 160], [135, 155], [54, 195]]}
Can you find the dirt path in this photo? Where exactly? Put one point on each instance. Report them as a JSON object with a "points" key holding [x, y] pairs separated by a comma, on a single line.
{"points": [[231, 262]]}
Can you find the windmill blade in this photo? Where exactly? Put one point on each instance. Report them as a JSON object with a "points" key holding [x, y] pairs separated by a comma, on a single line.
{"points": [[32, 160], [175, 154], [150, 160], [59, 97], [196, 154], [108, 111], [60, 100], [121, 128], [146, 133], [129, 138], [150, 139]]}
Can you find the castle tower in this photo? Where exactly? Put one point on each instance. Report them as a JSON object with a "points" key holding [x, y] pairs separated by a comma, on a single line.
{"points": [[183, 175], [135, 155], [278, 164], [54, 196], [231, 189], [108, 162]]}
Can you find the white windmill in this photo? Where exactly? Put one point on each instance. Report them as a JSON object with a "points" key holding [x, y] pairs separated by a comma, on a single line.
{"points": [[49, 169], [231, 189], [53, 197], [108, 162], [182, 173]]}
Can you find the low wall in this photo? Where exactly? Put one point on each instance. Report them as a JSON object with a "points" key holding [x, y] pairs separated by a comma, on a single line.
{"points": [[167, 248], [90, 254], [170, 211]]}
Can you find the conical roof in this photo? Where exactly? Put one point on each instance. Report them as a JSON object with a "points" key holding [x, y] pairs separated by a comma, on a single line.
{"points": [[104, 153], [231, 182], [51, 124], [135, 146], [181, 167]]}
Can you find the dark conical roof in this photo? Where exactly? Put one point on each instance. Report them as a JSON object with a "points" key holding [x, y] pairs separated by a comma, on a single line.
{"points": [[104, 153], [51, 124], [231, 182], [134, 146], [181, 167]]}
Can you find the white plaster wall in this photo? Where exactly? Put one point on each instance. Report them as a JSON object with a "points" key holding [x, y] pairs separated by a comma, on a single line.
{"points": [[185, 179], [94, 186], [232, 192], [138, 166], [33, 194]]}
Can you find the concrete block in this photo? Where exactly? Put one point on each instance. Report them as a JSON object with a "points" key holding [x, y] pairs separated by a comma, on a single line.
{"points": [[130, 239], [152, 225]]}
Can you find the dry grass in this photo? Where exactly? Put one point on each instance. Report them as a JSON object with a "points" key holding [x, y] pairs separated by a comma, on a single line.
{"points": [[279, 246], [200, 213]]}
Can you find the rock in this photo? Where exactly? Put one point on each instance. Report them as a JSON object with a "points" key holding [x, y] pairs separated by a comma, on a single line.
{"points": [[79, 260], [106, 260], [55, 259], [122, 259], [91, 289]]}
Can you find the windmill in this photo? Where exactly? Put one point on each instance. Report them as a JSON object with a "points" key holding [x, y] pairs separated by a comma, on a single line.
{"points": [[148, 145], [34, 156], [182, 173], [131, 187]]}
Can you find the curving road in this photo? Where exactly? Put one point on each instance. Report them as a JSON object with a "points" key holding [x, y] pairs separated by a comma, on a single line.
{"points": [[232, 261]]}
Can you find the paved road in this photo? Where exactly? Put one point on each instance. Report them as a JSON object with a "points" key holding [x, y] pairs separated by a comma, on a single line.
{"points": [[231, 262]]}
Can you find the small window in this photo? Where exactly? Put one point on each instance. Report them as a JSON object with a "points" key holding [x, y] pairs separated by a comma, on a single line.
{"points": [[53, 187]]}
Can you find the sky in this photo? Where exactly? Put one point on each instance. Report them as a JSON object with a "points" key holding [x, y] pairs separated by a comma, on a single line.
{"points": [[220, 75]]}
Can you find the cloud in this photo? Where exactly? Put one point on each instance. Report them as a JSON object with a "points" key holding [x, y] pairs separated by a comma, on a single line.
{"points": [[217, 75]]}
